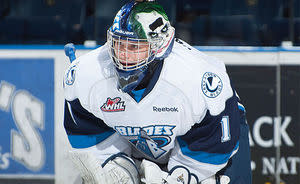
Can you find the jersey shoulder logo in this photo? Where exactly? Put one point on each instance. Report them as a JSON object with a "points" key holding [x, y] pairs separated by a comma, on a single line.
{"points": [[211, 85], [113, 105], [70, 76]]}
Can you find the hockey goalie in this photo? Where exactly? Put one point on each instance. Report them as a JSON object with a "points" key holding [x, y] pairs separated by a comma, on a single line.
{"points": [[147, 107]]}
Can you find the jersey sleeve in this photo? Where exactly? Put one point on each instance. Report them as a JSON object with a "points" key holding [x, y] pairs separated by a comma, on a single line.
{"points": [[87, 132], [85, 129], [207, 146], [82, 127]]}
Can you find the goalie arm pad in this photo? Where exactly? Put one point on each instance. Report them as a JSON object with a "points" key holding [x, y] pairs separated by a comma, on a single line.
{"points": [[121, 169], [117, 169]]}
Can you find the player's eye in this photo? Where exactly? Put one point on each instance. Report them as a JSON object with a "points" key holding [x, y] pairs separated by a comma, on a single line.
{"points": [[153, 34], [133, 47], [164, 29]]}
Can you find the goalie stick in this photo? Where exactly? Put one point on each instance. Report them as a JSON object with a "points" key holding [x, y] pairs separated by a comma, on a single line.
{"points": [[70, 51]]}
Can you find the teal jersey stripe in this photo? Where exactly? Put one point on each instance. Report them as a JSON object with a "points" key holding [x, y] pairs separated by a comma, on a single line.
{"points": [[138, 94], [84, 141], [241, 108]]}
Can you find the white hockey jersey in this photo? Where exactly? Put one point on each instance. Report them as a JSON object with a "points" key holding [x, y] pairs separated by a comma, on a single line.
{"points": [[189, 116]]}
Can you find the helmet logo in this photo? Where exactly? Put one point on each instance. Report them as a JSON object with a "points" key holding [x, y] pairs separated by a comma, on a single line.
{"points": [[124, 32]]}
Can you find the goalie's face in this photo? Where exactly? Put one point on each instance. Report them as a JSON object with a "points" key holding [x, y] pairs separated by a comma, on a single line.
{"points": [[130, 54]]}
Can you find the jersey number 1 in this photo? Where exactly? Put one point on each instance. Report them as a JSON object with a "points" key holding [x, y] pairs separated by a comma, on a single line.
{"points": [[225, 129]]}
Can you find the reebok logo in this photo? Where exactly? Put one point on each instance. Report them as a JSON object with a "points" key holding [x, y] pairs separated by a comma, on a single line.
{"points": [[165, 109], [113, 105]]}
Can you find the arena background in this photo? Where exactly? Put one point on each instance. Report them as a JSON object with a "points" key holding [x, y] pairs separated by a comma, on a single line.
{"points": [[257, 40]]}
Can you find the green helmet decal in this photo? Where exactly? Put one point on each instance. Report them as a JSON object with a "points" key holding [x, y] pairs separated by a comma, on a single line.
{"points": [[146, 17]]}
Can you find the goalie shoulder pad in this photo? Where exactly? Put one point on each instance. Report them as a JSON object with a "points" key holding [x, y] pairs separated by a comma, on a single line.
{"points": [[85, 72], [209, 84]]}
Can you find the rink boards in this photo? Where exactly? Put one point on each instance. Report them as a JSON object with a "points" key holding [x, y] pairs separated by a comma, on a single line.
{"points": [[33, 144]]}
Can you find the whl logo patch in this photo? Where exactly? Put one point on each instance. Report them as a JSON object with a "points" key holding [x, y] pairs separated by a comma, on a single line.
{"points": [[113, 105]]}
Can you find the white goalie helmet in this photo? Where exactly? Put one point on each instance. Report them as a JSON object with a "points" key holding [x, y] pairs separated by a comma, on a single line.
{"points": [[141, 32]]}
